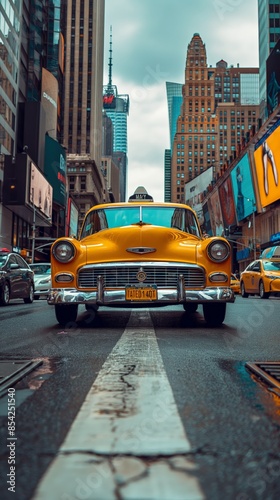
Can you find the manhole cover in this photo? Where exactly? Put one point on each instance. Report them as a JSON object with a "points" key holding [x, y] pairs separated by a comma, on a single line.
{"points": [[11, 371], [269, 371]]}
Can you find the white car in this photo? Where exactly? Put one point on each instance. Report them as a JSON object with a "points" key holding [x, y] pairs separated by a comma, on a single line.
{"points": [[42, 279]]}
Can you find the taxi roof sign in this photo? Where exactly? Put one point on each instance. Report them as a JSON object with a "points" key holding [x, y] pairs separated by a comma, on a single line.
{"points": [[140, 194]]}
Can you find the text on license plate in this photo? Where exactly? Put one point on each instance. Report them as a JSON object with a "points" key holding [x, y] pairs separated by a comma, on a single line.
{"points": [[141, 293]]}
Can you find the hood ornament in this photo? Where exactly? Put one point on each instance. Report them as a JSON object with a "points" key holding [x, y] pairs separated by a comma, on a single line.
{"points": [[141, 250]]}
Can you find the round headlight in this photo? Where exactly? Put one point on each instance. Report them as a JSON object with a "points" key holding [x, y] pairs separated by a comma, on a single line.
{"points": [[64, 251], [218, 251]]}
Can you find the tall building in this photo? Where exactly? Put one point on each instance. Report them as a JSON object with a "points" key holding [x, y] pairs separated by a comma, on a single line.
{"points": [[29, 34], [9, 92], [220, 105], [83, 30], [9, 73], [269, 33], [116, 107], [174, 102]]}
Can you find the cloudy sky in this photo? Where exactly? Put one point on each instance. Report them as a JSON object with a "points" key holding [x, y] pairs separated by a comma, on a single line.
{"points": [[150, 41]]}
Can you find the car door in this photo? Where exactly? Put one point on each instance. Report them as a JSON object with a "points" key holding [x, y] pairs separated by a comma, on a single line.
{"points": [[14, 277], [24, 272], [246, 277], [255, 276]]}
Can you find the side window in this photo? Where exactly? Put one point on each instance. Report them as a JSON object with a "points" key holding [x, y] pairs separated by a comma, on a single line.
{"points": [[21, 262], [12, 260], [256, 267]]}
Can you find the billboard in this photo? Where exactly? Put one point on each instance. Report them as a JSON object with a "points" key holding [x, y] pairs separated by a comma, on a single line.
{"points": [[109, 101], [273, 79], [40, 191], [194, 192], [215, 213], [227, 202], [72, 220], [26, 188], [55, 169], [49, 100], [267, 164], [243, 190]]}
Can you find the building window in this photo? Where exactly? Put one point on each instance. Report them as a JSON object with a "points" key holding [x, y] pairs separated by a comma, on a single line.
{"points": [[83, 181]]}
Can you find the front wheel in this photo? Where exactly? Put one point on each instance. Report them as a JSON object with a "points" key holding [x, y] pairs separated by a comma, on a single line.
{"points": [[244, 294], [214, 314], [66, 314], [262, 292], [190, 307]]}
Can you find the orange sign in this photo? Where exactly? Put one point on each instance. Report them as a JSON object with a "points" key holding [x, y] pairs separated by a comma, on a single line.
{"points": [[267, 163]]}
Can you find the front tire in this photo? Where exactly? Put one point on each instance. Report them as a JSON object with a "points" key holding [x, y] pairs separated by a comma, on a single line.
{"points": [[214, 314], [5, 297], [262, 292], [190, 307], [244, 294], [66, 314]]}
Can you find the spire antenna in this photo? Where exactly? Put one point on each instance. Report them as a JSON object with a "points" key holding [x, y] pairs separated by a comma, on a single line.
{"points": [[110, 89]]}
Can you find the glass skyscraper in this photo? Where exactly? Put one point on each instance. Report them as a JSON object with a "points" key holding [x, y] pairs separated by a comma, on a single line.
{"points": [[10, 15], [269, 33]]}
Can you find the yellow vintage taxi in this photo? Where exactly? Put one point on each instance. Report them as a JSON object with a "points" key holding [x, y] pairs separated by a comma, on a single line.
{"points": [[141, 253], [261, 277], [234, 283]]}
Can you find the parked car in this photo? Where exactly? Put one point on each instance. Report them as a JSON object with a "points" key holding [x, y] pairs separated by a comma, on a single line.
{"points": [[234, 283], [42, 279], [16, 278], [141, 253], [261, 277]]}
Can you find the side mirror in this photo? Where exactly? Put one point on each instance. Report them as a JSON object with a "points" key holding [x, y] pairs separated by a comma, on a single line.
{"points": [[13, 265]]}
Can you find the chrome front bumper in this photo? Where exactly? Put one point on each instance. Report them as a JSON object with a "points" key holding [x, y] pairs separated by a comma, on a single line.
{"points": [[103, 297]]}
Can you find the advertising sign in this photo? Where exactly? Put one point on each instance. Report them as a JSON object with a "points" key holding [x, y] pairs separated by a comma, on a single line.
{"points": [[109, 101], [72, 221], [40, 192], [55, 169], [242, 183], [227, 202], [273, 79], [194, 191], [267, 163], [49, 99], [215, 212]]}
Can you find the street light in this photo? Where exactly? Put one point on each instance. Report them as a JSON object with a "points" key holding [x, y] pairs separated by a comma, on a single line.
{"points": [[254, 226], [33, 228]]}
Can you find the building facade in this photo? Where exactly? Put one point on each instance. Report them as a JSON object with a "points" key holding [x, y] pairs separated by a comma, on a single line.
{"points": [[269, 33], [116, 107], [82, 27], [220, 105], [28, 35]]}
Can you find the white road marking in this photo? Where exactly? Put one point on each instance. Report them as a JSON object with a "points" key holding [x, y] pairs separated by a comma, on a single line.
{"points": [[129, 410]]}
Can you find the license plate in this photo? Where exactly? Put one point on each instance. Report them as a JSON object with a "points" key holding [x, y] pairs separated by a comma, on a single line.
{"points": [[142, 293]]}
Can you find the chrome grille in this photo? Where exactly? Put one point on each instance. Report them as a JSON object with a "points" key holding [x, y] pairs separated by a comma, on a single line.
{"points": [[162, 276]]}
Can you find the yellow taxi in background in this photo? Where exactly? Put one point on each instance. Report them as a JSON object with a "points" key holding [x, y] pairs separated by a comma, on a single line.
{"points": [[141, 253], [261, 277], [234, 283]]}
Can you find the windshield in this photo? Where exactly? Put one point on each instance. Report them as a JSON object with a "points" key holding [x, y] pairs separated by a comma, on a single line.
{"points": [[41, 269], [109, 218], [271, 266], [3, 259]]}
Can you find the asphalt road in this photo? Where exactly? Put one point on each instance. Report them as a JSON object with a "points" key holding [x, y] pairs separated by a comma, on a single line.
{"points": [[141, 405]]}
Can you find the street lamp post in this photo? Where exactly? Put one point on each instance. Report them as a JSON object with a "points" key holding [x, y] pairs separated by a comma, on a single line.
{"points": [[254, 227], [254, 233], [33, 228]]}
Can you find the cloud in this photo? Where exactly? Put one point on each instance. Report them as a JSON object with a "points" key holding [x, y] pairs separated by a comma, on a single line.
{"points": [[150, 42]]}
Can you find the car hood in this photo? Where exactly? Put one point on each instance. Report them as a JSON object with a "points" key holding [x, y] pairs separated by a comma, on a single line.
{"points": [[143, 242], [39, 277]]}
